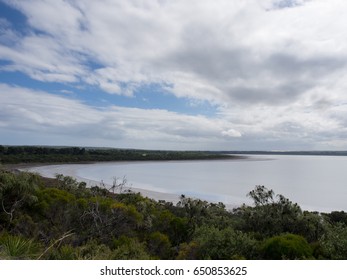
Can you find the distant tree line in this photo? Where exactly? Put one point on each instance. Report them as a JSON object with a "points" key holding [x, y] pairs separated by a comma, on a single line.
{"points": [[60, 218], [37, 154], [300, 153]]}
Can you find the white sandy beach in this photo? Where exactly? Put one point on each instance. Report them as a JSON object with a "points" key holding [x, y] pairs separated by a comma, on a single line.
{"points": [[317, 184], [50, 171]]}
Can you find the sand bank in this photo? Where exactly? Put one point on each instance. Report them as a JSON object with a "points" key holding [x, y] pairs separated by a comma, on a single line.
{"points": [[50, 171]]}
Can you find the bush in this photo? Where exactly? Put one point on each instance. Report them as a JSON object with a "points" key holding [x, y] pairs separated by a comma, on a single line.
{"points": [[286, 246], [224, 244], [334, 242], [159, 245], [188, 251], [17, 247], [127, 248]]}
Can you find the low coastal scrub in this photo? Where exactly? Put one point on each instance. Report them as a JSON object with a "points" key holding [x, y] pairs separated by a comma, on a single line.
{"points": [[38, 154], [61, 219]]}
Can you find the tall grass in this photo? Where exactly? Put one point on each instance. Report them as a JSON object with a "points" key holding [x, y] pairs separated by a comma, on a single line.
{"points": [[17, 247]]}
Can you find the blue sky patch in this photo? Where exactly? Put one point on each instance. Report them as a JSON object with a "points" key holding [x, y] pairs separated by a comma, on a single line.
{"points": [[15, 17]]}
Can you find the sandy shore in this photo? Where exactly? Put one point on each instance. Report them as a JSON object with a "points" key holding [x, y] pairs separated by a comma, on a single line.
{"points": [[50, 171]]}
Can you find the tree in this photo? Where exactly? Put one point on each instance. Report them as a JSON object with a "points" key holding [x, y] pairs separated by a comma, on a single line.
{"points": [[194, 209], [68, 183], [117, 185], [269, 216], [261, 196], [337, 217], [16, 191]]}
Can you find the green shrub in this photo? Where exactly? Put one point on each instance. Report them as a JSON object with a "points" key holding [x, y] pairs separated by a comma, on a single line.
{"points": [[65, 252], [17, 247], [92, 250], [188, 251], [126, 248], [224, 244], [334, 242], [159, 245], [286, 246]]}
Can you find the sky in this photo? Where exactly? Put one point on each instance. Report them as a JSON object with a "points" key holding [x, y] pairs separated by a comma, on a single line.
{"points": [[174, 74]]}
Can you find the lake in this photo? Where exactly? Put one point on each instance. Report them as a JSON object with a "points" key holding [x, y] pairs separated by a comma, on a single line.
{"points": [[314, 182]]}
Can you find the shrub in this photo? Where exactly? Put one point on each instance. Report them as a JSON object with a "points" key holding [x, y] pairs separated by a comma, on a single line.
{"points": [[334, 242], [17, 247], [286, 246], [159, 245], [127, 248], [224, 244]]}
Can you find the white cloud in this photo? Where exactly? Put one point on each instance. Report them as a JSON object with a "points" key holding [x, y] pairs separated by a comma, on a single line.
{"points": [[276, 69], [40, 113], [62, 120], [231, 133], [226, 50]]}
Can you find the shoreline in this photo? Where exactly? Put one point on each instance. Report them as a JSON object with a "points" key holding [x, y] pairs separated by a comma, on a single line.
{"points": [[158, 192], [50, 170], [14, 166]]}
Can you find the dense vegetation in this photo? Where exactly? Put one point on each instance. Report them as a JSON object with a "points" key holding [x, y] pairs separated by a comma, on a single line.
{"points": [[62, 219], [37, 154]]}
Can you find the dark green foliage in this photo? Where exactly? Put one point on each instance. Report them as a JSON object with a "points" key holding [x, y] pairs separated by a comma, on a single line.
{"points": [[337, 217], [273, 215], [89, 251], [60, 218], [16, 191], [188, 251], [224, 244], [199, 212], [176, 228], [56, 211], [70, 184], [334, 242], [159, 245], [17, 247], [26, 154], [311, 225], [129, 249], [286, 246], [65, 252], [262, 196]]}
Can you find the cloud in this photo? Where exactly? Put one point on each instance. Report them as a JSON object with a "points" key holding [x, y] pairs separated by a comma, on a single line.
{"points": [[274, 69], [231, 133], [226, 51], [40, 113]]}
